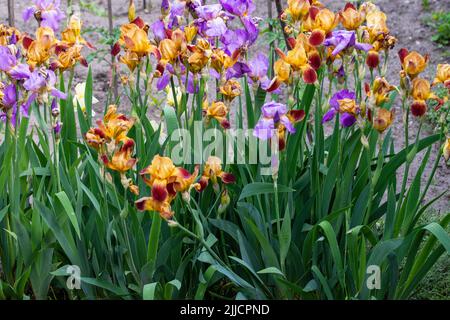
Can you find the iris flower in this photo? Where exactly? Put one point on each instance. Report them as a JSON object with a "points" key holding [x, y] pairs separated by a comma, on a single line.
{"points": [[9, 63], [47, 11], [259, 66], [238, 7], [41, 81], [210, 21], [346, 119], [273, 113], [78, 98], [343, 39]]}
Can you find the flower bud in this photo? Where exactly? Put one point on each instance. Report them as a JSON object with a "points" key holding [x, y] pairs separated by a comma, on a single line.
{"points": [[373, 59]]}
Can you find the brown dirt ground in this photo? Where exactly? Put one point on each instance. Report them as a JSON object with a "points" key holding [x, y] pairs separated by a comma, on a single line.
{"points": [[405, 21]]}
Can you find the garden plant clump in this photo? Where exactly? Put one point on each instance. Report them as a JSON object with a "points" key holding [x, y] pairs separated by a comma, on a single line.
{"points": [[268, 174]]}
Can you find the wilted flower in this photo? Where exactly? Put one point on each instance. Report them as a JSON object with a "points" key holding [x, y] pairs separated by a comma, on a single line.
{"points": [[8, 35], [72, 34], [379, 93], [231, 89], [47, 12]]}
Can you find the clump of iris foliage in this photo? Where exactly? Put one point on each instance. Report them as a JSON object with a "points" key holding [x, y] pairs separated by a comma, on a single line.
{"points": [[106, 196]]}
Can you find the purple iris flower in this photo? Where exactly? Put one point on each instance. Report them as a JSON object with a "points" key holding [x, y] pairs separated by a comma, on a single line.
{"points": [[238, 70], [4, 115], [164, 80], [7, 59], [272, 114], [164, 5], [10, 96], [240, 38], [159, 30], [10, 65], [40, 80], [343, 39], [346, 119], [210, 22], [176, 11], [238, 7], [259, 66], [51, 13]]}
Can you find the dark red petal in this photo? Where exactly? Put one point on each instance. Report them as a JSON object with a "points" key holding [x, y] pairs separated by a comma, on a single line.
{"points": [[129, 144], [297, 115], [159, 193], [140, 204], [292, 42], [139, 22], [227, 178], [115, 49], [171, 189], [373, 59], [315, 61], [313, 11], [316, 38], [349, 5], [367, 88], [281, 144], [274, 85], [26, 41], [309, 75], [84, 62], [225, 124], [105, 159], [203, 183], [402, 53], [99, 132], [418, 108]]}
